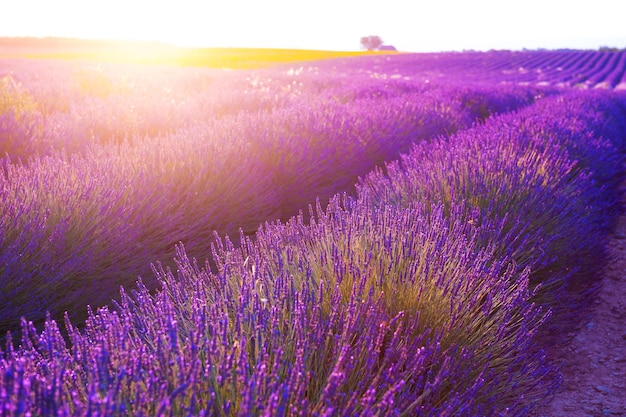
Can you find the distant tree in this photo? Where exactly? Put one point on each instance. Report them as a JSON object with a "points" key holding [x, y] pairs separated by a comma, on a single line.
{"points": [[371, 43], [608, 49]]}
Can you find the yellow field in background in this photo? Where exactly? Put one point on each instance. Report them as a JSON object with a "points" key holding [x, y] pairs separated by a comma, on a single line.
{"points": [[152, 53]]}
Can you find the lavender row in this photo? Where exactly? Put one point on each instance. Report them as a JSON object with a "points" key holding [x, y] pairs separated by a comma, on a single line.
{"points": [[541, 182], [363, 312], [51, 106], [419, 297], [75, 105], [76, 226]]}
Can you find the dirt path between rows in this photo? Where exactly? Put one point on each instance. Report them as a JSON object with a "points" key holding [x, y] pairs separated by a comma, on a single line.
{"points": [[594, 364]]}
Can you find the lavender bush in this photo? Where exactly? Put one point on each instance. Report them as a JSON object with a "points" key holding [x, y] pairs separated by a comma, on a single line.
{"points": [[398, 323], [20, 119], [519, 176]]}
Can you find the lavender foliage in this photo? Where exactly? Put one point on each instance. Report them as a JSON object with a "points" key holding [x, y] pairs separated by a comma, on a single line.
{"points": [[89, 215], [429, 291]]}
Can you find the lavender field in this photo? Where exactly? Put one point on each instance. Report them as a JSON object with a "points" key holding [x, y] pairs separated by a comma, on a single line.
{"points": [[390, 235]]}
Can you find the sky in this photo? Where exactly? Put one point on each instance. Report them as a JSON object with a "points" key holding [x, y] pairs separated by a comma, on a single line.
{"points": [[409, 25]]}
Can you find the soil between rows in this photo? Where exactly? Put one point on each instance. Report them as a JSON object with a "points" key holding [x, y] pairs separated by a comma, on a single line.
{"points": [[594, 363]]}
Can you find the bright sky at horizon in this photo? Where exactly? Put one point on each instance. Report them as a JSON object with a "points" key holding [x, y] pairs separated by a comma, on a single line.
{"points": [[415, 26]]}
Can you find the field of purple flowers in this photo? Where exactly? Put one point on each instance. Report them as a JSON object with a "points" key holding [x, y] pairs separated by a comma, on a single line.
{"points": [[375, 241]]}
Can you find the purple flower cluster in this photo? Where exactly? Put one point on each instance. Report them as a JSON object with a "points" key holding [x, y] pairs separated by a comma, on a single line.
{"points": [[424, 292]]}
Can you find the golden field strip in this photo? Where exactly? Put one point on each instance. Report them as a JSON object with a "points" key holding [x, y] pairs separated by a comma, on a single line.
{"points": [[153, 53]]}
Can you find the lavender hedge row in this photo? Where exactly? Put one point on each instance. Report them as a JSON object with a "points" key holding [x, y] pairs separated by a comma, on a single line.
{"points": [[76, 225], [421, 300], [384, 312], [542, 182], [47, 106]]}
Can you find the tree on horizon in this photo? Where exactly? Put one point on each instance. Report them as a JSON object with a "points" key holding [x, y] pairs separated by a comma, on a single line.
{"points": [[372, 42]]}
